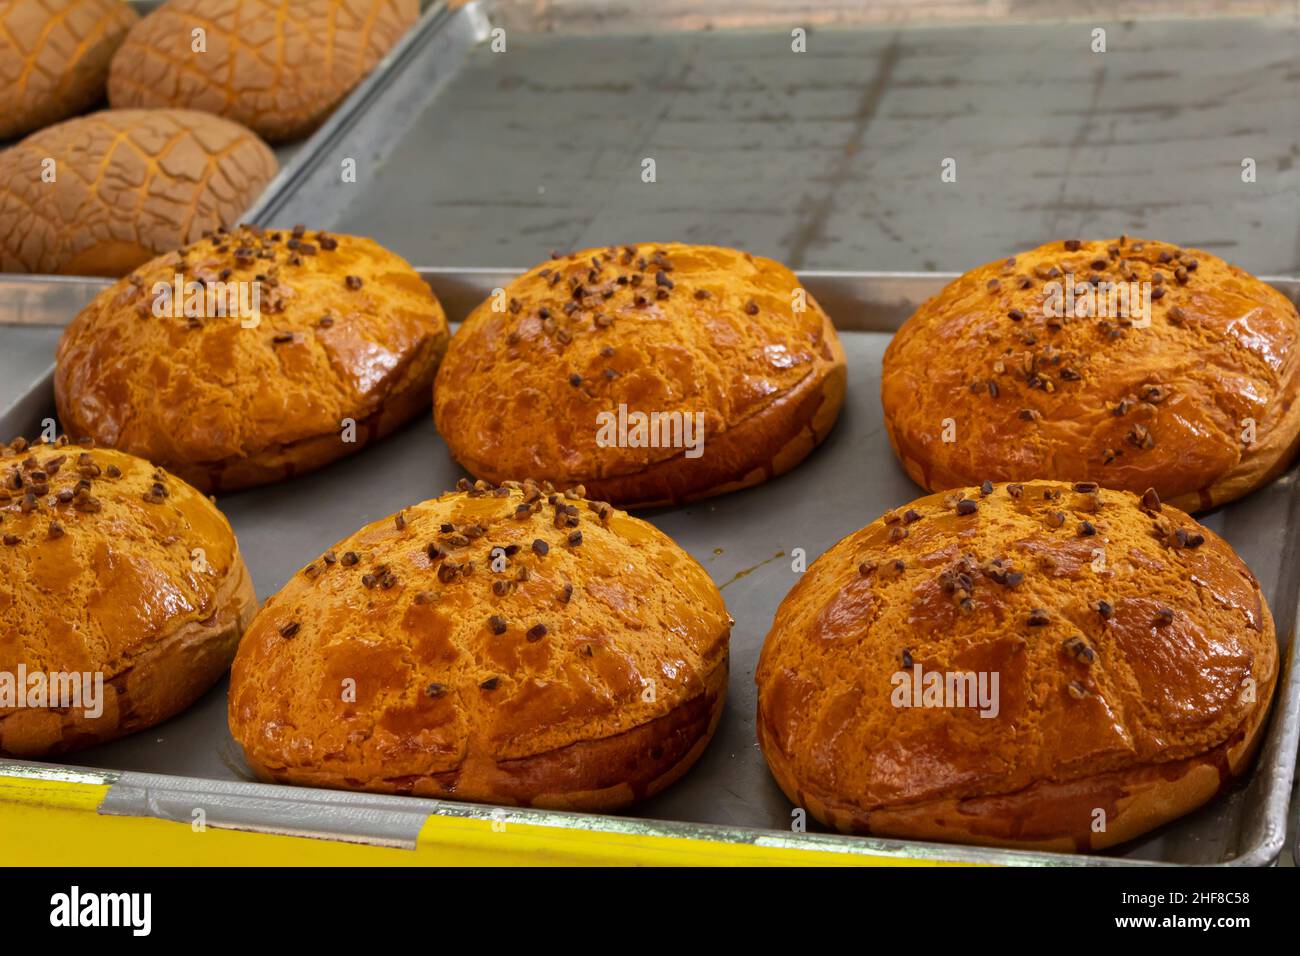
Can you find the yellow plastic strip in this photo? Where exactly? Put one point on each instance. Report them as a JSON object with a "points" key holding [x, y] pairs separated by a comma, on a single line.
{"points": [[478, 842], [55, 823]]}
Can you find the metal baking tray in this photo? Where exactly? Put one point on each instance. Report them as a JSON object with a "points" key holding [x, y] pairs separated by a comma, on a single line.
{"points": [[744, 540], [468, 154]]}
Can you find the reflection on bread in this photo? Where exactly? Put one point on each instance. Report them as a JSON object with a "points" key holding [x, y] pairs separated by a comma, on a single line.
{"points": [[1133, 652], [342, 350], [985, 382], [512, 645], [111, 567], [676, 334]]}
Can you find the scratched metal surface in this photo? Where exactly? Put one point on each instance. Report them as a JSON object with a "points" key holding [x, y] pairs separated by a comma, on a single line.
{"points": [[745, 541], [830, 159]]}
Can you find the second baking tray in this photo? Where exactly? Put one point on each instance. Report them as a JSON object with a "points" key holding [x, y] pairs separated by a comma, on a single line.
{"points": [[745, 540]]}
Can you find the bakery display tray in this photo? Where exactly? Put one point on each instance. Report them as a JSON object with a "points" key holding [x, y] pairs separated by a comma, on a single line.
{"points": [[745, 540]]}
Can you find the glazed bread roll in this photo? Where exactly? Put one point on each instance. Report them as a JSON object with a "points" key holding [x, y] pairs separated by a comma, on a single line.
{"points": [[340, 350], [509, 645], [54, 57], [115, 570], [651, 374], [1134, 656], [102, 194], [277, 66], [988, 380]]}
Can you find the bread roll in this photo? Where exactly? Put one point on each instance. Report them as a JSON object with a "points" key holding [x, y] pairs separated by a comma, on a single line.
{"points": [[651, 374], [54, 57], [1134, 656], [126, 185], [341, 349], [114, 569], [277, 66], [506, 645], [989, 380]]}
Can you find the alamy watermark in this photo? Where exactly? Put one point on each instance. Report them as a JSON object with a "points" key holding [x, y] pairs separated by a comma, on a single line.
{"points": [[635, 429], [208, 299], [949, 689], [61, 690], [1102, 300]]}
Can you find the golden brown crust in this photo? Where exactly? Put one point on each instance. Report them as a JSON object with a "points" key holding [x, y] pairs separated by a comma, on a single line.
{"points": [[128, 185], [54, 57], [278, 67], [1093, 399], [347, 332], [115, 568], [482, 684], [1134, 652], [667, 329]]}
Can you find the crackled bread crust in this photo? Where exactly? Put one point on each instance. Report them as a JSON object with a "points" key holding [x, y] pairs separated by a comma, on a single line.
{"points": [[348, 331], [114, 567], [130, 184], [586, 673], [666, 328], [1094, 399], [54, 57], [1125, 685], [278, 67]]}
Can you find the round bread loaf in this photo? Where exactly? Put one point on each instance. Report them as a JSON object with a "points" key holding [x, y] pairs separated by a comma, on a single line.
{"points": [[102, 194], [1020, 369], [277, 66], [54, 57], [508, 645], [1103, 664], [651, 374], [117, 577], [340, 349]]}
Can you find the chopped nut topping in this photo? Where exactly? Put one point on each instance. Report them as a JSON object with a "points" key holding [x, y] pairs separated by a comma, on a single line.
{"points": [[1078, 648]]}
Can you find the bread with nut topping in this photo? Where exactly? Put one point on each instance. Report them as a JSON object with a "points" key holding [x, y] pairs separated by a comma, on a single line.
{"points": [[116, 569], [988, 379], [509, 645], [1134, 654], [340, 350], [536, 376]]}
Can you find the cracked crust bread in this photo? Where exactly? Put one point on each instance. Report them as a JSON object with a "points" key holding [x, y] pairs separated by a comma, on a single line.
{"points": [[348, 331], [54, 57], [278, 67], [129, 184], [661, 328], [582, 666], [111, 566], [1033, 395], [1133, 685]]}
